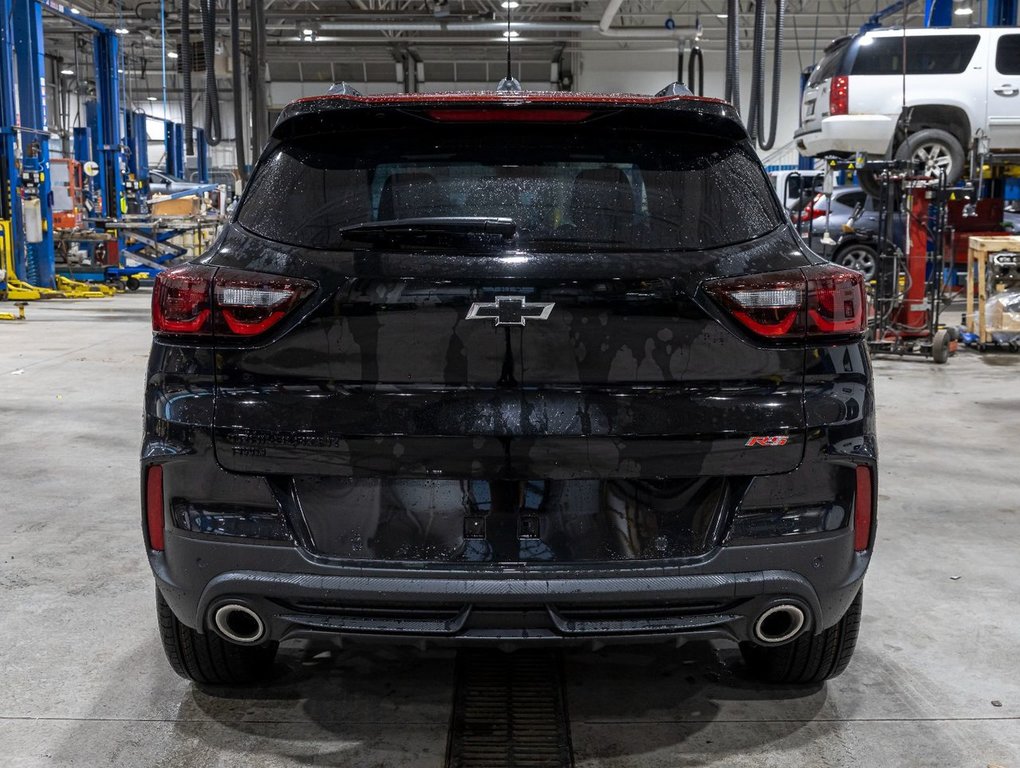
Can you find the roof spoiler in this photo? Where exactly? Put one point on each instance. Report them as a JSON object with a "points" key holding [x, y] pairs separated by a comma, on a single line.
{"points": [[675, 89]]}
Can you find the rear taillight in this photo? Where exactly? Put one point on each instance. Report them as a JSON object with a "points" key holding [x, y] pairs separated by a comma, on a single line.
{"points": [[154, 506], [811, 210], [839, 95], [864, 509], [197, 300], [812, 302], [181, 300]]}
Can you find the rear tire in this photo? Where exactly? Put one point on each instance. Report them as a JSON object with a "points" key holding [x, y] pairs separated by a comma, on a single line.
{"points": [[810, 659], [868, 181], [936, 149], [940, 346], [859, 257], [207, 658]]}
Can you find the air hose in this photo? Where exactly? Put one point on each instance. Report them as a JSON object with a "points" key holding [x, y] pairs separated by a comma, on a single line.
{"points": [[697, 85], [756, 108], [186, 71], [235, 65], [733, 53], [213, 130]]}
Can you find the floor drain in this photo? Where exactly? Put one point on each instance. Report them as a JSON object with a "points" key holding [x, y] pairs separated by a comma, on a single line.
{"points": [[509, 711]]}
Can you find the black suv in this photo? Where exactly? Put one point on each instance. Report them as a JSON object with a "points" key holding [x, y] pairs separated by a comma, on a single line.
{"points": [[509, 368]]}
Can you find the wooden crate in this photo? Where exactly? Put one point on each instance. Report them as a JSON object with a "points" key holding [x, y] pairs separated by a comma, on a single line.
{"points": [[977, 279], [181, 206]]}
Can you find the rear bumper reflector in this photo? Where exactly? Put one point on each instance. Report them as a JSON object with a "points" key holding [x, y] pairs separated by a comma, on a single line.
{"points": [[154, 506]]}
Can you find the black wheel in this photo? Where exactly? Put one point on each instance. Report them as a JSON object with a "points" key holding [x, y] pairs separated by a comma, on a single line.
{"points": [[869, 182], [810, 658], [208, 658], [936, 150], [860, 257], [133, 283], [940, 346]]}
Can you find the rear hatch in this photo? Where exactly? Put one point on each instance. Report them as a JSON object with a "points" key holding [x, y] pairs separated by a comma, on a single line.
{"points": [[451, 364], [814, 102]]}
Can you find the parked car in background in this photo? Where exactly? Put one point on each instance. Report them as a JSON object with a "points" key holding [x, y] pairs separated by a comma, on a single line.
{"points": [[509, 369], [865, 96], [819, 214], [850, 207]]}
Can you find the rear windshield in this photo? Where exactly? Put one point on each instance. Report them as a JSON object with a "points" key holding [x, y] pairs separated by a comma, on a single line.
{"points": [[927, 55], [571, 186], [829, 66]]}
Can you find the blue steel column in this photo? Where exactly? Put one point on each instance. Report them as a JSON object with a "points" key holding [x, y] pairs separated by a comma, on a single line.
{"points": [[108, 124], [1002, 13], [938, 13], [35, 140], [9, 206]]}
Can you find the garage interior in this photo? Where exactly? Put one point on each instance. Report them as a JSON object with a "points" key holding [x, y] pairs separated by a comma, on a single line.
{"points": [[128, 129]]}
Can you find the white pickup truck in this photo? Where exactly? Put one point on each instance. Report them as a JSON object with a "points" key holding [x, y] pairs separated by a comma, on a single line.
{"points": [[922, 94]]}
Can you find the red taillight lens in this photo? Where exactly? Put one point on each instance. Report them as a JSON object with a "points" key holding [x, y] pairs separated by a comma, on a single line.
{"points": [[839, 95], [181, 300], [154, 506], [812, 302], [864, 509], [835, 302], [197, 300]]}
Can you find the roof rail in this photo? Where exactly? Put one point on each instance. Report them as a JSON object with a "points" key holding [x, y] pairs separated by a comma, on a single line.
{"points": [[675, 89], [343, 89]]}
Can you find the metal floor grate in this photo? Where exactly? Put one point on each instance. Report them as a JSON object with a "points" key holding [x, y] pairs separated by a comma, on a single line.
{"points": [[509, 711]]}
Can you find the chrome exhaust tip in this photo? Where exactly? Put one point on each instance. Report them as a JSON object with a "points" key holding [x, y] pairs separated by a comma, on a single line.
{"points": [[239, 624], [779, 623]]}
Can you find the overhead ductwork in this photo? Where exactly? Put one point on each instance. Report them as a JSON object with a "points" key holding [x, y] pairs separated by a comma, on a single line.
{"points": [[498, 27]]}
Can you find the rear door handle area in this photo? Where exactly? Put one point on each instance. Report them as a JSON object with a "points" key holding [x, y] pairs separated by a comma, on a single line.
{"points": [[1007, 90]]}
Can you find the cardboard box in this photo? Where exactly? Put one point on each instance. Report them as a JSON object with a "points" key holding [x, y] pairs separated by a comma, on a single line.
{"points": [[181, 206]]}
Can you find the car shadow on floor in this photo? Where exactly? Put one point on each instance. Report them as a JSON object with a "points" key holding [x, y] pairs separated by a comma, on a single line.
{"points": [[391, 705]]}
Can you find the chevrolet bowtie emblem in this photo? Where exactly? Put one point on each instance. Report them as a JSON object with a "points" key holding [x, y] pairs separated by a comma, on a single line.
{"points": [[510, 310]]}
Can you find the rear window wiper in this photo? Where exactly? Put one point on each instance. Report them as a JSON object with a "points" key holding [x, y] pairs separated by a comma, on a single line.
{"points": [[428, 227]]}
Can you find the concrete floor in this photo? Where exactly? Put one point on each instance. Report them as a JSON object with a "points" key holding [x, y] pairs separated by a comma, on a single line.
{"points": [[83, 681]]}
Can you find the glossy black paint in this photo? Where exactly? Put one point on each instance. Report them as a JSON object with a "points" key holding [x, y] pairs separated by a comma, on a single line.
{"points": [[429, 473]]}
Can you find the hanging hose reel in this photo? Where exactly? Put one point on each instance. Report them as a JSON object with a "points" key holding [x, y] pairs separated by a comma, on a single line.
{"points": [[186, 72], [213, 131], [696, 84], [756, 107]]}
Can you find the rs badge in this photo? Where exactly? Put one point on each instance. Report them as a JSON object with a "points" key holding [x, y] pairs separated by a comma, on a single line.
{"points": [[767, 441], [510, 310]]}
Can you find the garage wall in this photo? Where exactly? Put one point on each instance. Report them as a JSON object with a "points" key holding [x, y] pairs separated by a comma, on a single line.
{"points": [[643, 71]]}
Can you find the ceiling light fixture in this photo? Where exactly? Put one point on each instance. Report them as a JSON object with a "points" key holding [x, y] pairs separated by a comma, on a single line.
{"points": [[120, 31], [308, 32], [963, 11], [722, 16], [67, 71], [75, 11], [151, 98], [511, 4], [511, 33], [171, 54]]}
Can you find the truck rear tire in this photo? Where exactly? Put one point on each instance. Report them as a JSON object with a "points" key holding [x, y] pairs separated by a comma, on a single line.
{"points": [[936, 149], [810, 659], [207, 658]]}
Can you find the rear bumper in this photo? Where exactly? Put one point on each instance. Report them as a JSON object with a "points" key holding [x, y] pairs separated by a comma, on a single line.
{"points": [[717, 598], [869, 134]]}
